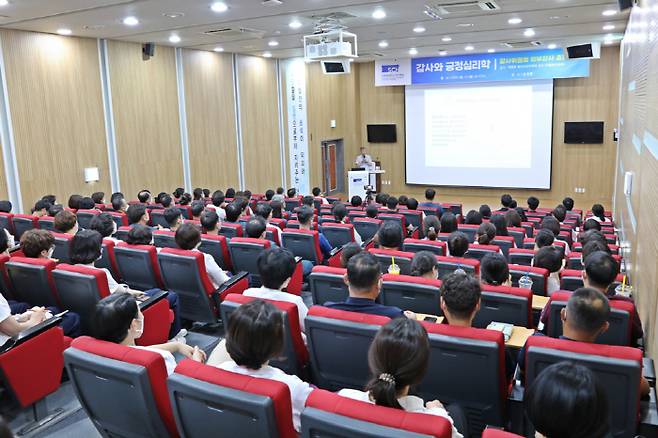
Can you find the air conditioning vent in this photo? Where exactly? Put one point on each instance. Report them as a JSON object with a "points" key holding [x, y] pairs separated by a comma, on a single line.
{"points": [[467, 7], [332, 16], [371, 55], [522, 44], [229, 33]]}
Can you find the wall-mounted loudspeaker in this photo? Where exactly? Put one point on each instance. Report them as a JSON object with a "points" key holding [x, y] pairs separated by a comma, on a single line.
{"points": [[625, 4], [592, 50], [148, 50]]}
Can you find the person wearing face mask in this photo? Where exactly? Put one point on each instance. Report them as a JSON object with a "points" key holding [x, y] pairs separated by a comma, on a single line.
{"points": [[188, 237], [38, 244], [117, 319]]}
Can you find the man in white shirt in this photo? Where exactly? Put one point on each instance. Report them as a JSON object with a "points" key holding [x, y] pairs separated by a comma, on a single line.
{"points": [[188, 237], [218, 204], [265, 211], [364, 160], [11, 325]]}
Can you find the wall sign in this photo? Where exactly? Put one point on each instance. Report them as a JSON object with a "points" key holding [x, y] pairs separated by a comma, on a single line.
{"points": [[295, 71]]}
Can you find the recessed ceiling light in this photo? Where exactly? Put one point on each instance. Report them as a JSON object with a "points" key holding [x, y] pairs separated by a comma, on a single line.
{"points": [[515, 20], [443, 52], [267, 55], [4, 2], [173, 15], [64, 31], [491, 51], [219, 7], [218, 49], [529, 32], [413, 51], [552, 46], [419, 29], [383, 44], [465, 25], [273, 43], [295, 24], [131, 21], [378, 14], [174, 39], [609, 27], [446, 39], [609, 12], [469, 48]]}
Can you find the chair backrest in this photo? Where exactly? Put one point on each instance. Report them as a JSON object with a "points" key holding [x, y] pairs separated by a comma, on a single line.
{"points": [[230, 230], [119, 218], [385, 257], [331, 415], [518, 234], [22, 223], [417, 294], [294, 356], [416, 245], [619, 369], [448, 265], [469, 230], [338, 234], [217, 247], [244, 255], [31, 280], [303, 243], [455, 208], [250, 406], [505, 243], [122, 233], [108, 260], [6, 222], [478, 252], [79, 289], [85, 217], [185, 211], [396, 218], [138, 265], [281, 223], [571, 279], [157, 218], [529, 228], [184, 272], [5, 284], [521, 256], [504, 304], [413, 217], [326, 284], [366, 227], [575, 262], [472, 372], [47, 223], [62, 251], [619, 332], [164, 239], [122, 389], [498, 433], [338, 343], [539, 277]]}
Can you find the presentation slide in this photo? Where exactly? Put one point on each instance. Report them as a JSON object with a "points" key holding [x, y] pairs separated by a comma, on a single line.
{"points": [[480, 135]]}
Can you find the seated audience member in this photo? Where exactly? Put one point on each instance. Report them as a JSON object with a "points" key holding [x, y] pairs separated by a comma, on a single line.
{"points": [[412, 204], [513, 219], [568, 203], [566, 401], [118, 319], [448, 222], [305, 217], [398, 358], [52, 199], [457, 244], [247, 195], [138, 214], [593, 246], [389, 235], [217, 204], [506, 202], [158, 198], [144, 196], [230, 192], [486, 233], [5, 207], [317, 193], [308, 200], [276, 267], [98, 197], [197, 209], [551, 223], [16, 316], [598, 212], [66, 222], [402, 200], [544, 238], [429, 201], [363, 280], [74, 202], [473, 218], [209, 222], [533, 204], [424, 265], [178, 193], [498, 221], [188, 237], [41, 208], [54, 209], [349, 251], [392, 204], [592, 224], [494, 270], [254, 337], [119, 204], [460, 299], [340, 214], [277, 209], [173, 217], [87, 203], [431, 227], [38, 244], [559, 213], [265, 211], [186, 199], [233, 212], [278, 196], [197, 194], [550, 258], [591, 235], [522, 215], [356, 201], [291, 193], [269, 194], [381, 198], [513, 205], [601, 270], [372, 211], [206, 193], [256, 229], [105, 226], [140, 235], [485, 211]]}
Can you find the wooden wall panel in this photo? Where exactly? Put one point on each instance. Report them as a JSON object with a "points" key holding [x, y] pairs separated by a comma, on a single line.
{"points": [[592, 98], [57, 113], [210, 107], [4, 193], [145, 106], [259, 117]]}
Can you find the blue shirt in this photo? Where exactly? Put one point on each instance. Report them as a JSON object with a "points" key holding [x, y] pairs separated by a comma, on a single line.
{"points": [[365, 305], [434, 205], [325, 246]]}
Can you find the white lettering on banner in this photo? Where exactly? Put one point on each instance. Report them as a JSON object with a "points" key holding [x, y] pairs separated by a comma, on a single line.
{"points": [[295, 71]]}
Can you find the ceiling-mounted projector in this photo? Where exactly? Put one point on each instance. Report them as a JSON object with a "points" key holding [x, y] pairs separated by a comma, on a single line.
{"points": [[335, 50]]}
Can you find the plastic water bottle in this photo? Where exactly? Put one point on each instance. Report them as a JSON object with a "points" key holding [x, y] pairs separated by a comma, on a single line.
{"points": [[525, 282]]}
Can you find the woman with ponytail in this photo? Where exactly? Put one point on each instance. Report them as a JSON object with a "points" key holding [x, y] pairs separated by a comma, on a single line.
{"points": [[485, 234], [424, 265], [431, 227], [398, 358], [598, 212]]}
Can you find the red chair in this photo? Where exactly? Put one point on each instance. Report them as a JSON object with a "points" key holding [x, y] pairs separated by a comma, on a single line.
{"points": [[217, 247], [185, 211], [47, 223], [386, 256], [62, 251], [470, 231], [454, 207], [164, 239], [119, 218], [108, 260], [250, 406], [327, 284], [138, 266], [338, 234], [244, 255], [22, 223], [504, 304], [539, 277], [157, 218], [366, 227], [31, 281], [290, 204], [230, 230], [416, 245], [329, 414], [122, 389], [497, 433], [448, 265], [303, 243], [294, 357], [6, 222], [398, 219], [518, 233], [414, 218], [184, 272], [506, 243], [85, 217], [521, 256], [478, 252], [281, 223], [420, 295]]}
